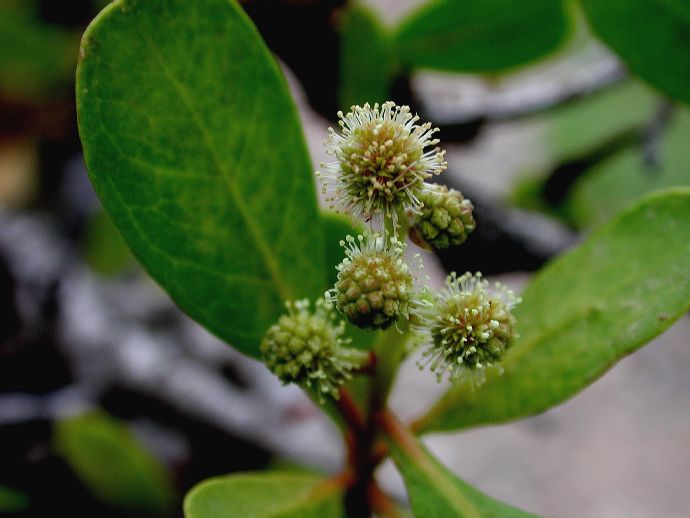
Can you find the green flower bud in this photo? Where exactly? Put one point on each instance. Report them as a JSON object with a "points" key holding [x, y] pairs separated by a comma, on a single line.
{"points": [[375, 287], [445, 218], [469, 328], [309, 349]]}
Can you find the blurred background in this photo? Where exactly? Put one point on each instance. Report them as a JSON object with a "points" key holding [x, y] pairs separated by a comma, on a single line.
{"points": [[113, 403]]}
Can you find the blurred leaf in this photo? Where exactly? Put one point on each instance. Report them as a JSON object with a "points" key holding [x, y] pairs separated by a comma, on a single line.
{"points": [[104, 250], [264, 495], [365, 58], [113, 465], [194, 147], [617, 182], [36, 59], [591, 126], [12, 501], [576, 129], [433, 490], [626, 284], [481, 35], [651, 36]]}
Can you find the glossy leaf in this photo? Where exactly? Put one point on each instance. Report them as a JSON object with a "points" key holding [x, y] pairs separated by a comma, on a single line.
{"points": [[433, 490], [366, 66], [37, 60], [265, 495], [627, 283], [113, 465], [481, 35], [194, 147], [651, 36], [628, 176]]}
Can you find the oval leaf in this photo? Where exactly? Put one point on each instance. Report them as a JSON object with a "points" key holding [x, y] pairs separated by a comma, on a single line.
{"points": [[434, 491], [265, 495], [651, 36], [108, 460], [626, 284], [481, 35], [194, 147]]}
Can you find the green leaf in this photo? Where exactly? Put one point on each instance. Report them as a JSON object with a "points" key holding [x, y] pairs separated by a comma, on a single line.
{"points": [[433, 490], [591, 127], [626, 177], [37, 60], [265, 495], [579, 128], [104, 250], [481, 35], [12, 501], [366, 65], [195, 149], [651, 36], [626, 284], [108, 459]]}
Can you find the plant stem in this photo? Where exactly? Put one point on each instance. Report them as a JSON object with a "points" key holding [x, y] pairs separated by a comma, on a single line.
{"points": [[348, 409], [381, 502], [366, 450]]}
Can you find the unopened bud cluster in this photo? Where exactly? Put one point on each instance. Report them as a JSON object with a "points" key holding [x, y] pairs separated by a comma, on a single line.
{"points": [[309, 349], [445, 218], [375, 287], [383, 159], [470, 327]]}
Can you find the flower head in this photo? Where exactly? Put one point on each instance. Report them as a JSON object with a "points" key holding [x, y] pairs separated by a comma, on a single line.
{"points": [[309, 349], [381, 161], [470, 327], [375, 286], [445, 218]]}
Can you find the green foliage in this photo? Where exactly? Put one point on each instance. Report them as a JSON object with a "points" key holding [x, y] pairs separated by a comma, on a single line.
{"points": [[578, 129], [593, 127], [481, 35], [36, 59], [12, 501], [264, 495], [651, 36], [194, 146], [625, 177], [104, 249], [623, 286], [112, 463], [434, 491], [366, 65]]}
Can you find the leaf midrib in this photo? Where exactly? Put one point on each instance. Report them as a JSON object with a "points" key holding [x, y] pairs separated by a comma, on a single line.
{"points": [[264, 251], [448, 490]]}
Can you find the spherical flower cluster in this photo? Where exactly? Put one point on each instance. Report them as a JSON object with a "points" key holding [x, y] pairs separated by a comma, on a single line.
{"points": [[469, 327], [381, 162], [309, 349], [445, 218], [375, 286]]}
